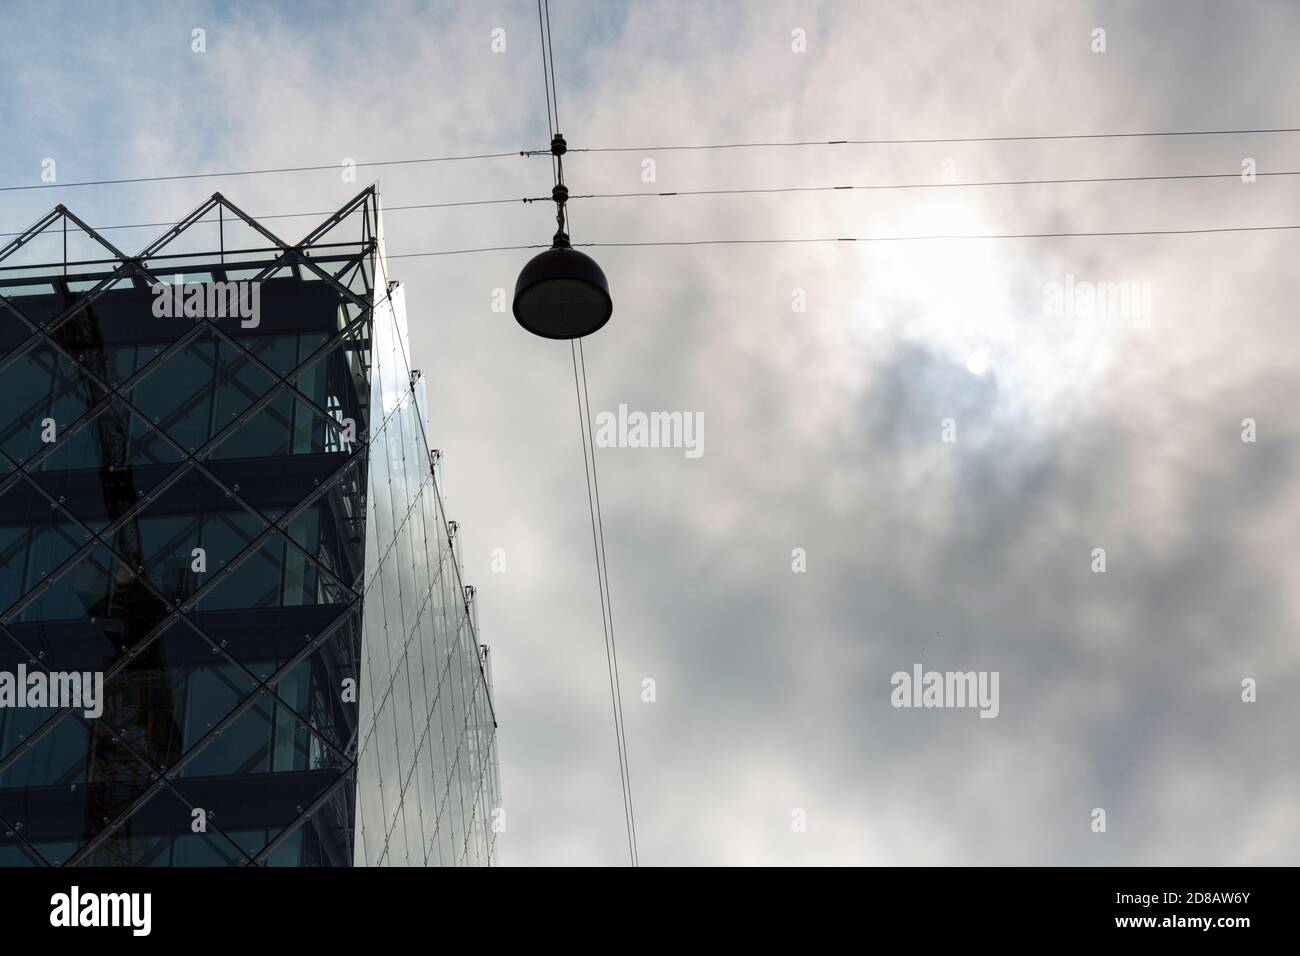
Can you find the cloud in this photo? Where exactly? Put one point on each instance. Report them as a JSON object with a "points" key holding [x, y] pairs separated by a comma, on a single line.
{"points": [[1119, 690]]}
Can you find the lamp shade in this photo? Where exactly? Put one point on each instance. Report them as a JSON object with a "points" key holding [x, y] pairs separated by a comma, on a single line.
{"points": [[562, 294]]}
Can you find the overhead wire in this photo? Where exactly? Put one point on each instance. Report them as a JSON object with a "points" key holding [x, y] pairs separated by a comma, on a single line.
{"points": [[665, 147], [589, 459], [747, 191], [330, 212], [609, 600], [914, 141], [848, 239], [254, 172], [944, 237], [864, 187], [863, 239]]}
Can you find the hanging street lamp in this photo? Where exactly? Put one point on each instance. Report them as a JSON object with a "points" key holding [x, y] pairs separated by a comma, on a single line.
{"points": [[562, 293]]}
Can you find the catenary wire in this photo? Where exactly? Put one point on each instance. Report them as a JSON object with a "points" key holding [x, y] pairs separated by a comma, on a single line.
{"points": [[848, 239], [845, 239], [928, 141], [660, 148], [943, 237], [308, 215], [747, 190], [759, 190], [254, 172]]}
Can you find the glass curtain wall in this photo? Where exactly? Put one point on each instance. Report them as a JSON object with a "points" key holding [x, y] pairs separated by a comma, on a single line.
{"points": [[234, 521]]}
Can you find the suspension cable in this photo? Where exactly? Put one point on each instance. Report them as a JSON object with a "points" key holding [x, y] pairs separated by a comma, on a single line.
{"points": [[560, 195]]}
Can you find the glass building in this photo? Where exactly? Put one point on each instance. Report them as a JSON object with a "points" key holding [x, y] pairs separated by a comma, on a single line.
{"points": [[217, 494]]}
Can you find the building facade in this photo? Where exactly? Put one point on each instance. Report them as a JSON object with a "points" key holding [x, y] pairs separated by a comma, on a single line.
{"points": [[233, 629]]}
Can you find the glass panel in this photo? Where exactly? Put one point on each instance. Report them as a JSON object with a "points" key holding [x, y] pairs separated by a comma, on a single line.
{"points": [[108, 464], [144, 702], [419, 546], [39, 301], [260, 775], [159, 833], [285, 426], [308, 450], [406, 738], [275, 574], [314, 688], [414, 837], [280, 353], [186, 534], [263, 640], [336, 378], [117, 334], [374, 651], [396, 469], [381, 499], [332, 526], [69, 784], [198, 390], [390, 775], [370, 802], [211, 690], [14, 332], [446, 842], [397, 849], [13, 852], [265, 738], [412, 598], [18, 723], [421, 691], [393, 612], [36, 537], [414, 453], [44, 394], [425, 786], [99, 585]]}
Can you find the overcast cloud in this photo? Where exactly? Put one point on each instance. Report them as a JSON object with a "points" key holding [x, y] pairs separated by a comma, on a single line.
{"points": [[1119, 690]]}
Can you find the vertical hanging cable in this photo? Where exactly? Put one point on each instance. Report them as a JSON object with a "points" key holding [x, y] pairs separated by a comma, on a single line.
{"points": [[616, 684], [548, 79], [602, 583], [589, 453], [550, 54]]}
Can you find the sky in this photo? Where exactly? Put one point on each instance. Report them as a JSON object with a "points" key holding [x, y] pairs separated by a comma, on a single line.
{"points": [[828, 536]]}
